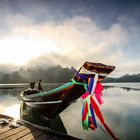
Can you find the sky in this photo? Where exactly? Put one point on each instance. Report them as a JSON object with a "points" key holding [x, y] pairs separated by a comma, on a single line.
{"points": [[70, 32]]}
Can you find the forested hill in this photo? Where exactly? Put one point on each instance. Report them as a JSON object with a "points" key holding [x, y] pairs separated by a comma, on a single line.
{"points": [[55, 74]]}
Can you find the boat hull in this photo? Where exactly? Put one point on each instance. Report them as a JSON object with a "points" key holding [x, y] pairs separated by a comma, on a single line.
{"points": [[50, 105], [31, 115]]}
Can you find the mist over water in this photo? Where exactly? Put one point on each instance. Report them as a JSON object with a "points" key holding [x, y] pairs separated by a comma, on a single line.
{"points": [[120, 110]]}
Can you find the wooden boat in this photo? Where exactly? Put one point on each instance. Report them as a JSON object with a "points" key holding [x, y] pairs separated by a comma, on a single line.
{"points": [[50, 104]]}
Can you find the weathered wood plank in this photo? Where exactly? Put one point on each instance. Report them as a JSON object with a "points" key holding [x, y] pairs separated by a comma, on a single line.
{"points": [[11, 132], [32, 135], [20, 134], [4, 129]]}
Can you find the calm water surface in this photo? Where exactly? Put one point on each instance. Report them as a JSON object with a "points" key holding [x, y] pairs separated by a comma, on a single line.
{"points": [[121, 110]]}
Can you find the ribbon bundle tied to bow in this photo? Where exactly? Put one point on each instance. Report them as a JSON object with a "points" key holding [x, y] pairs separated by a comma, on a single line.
{"points": [[90, 109]]}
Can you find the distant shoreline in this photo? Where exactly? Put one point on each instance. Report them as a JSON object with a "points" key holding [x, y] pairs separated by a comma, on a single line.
{"points": [[125, 85]]}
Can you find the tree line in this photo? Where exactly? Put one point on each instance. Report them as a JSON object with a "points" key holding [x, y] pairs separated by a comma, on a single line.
{"points": [[55, 74], [124, 78]]}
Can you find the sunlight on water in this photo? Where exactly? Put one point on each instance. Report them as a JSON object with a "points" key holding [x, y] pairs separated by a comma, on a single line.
{"points": [[13, 111], [9, 103]]}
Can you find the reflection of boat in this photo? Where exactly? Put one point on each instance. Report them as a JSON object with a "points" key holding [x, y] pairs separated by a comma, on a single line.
{"points": [[48, 105]]}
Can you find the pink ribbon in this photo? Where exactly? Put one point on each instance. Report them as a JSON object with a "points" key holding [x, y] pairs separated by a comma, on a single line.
{"points": [[98, 92]]}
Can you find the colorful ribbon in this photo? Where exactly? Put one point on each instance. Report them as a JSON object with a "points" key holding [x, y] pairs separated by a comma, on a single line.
{"points": [[90, 108]]}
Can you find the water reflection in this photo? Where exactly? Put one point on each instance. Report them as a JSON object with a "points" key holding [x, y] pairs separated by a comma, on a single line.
{"points": [[125, 88], [120, 110], [13, 111], [9, 106]]}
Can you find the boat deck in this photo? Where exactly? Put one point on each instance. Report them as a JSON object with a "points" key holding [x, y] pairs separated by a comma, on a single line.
{"points": [[22, 130]]}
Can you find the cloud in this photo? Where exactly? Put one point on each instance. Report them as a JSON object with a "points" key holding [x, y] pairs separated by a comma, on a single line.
{"points": [[48, 60], [73, 41], [130, 66], [80, 39]]}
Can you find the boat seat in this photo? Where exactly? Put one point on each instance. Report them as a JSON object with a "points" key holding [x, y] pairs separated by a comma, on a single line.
{"points": [[30, 92]]}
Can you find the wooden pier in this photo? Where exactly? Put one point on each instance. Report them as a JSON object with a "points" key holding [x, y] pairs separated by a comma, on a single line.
{"points": [[22, 130]]}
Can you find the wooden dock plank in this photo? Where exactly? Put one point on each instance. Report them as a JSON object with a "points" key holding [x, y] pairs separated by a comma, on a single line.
{"points": [[20, 134], [4, 129], [32, 135], [11, 132]]}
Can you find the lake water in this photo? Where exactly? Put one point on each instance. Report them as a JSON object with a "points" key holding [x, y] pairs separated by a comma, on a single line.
{"points": [[121, 110]]}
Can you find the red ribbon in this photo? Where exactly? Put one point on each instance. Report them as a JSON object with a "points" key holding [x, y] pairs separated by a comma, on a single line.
{"points": [[99, 115]]}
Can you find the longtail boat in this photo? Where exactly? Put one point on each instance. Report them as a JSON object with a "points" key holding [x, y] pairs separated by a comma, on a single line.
{"points": [[50, 104], [86, 81]]}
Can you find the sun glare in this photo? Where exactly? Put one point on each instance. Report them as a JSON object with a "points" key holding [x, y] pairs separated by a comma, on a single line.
{"points": [[19, 51], [13, 111]]}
